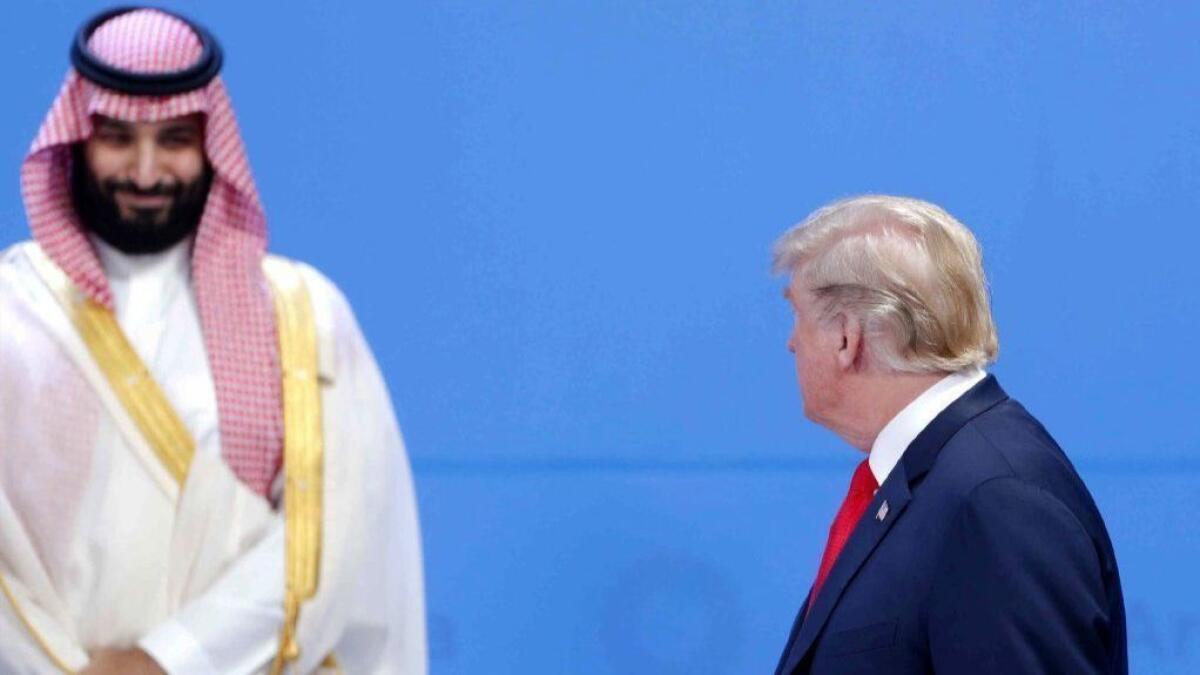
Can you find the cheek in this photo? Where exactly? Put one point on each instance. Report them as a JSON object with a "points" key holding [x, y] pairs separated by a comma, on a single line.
{"points": [[187, 165], [105, 162], [813, 376], [804, 367]]}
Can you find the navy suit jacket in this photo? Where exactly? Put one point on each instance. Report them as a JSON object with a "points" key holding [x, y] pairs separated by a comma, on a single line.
{"points": [[990, 557]]}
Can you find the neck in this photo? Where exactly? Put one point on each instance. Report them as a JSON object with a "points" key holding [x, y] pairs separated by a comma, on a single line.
{"points": [[120, 264], [876, 400]]}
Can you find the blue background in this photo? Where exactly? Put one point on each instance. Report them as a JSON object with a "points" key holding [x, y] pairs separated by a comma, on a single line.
{"points": [[554, 220]]}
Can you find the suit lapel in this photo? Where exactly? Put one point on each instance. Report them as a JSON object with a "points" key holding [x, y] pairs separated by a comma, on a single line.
{"points": [[866, 536], [896, 491], [787, 647]]}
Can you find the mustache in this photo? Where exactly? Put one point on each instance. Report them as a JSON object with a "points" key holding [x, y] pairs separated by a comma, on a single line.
{"points": [[112, 187]]}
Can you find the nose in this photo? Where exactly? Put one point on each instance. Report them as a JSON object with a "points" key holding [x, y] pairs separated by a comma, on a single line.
{"points": [[146, 173], [791, 343]]}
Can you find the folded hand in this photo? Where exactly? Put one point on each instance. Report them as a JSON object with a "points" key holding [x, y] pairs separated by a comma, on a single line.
{"points": [[122, 662]]}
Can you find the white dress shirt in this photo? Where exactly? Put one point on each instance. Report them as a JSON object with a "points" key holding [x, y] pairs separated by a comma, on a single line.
{"points": [[900, 432], [156, 308]]}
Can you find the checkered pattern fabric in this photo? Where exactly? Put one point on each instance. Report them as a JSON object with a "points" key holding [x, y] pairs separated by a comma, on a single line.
{"points": [[231, 293]]}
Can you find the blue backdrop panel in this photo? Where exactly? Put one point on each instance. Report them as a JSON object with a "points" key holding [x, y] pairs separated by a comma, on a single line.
{"points": [[554, 219], [630, 571], [655, 570], [1151, 519]]}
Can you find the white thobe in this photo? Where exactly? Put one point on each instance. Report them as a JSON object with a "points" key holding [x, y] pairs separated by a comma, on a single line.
{"points": [[156, 309], [225, 617]]}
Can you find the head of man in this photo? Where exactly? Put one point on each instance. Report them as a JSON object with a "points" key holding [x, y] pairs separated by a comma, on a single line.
{"points": [[889, 296], [141, 186]]}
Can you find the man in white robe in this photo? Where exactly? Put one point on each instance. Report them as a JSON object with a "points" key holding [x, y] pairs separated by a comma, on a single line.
{"points": [[153, 515]]}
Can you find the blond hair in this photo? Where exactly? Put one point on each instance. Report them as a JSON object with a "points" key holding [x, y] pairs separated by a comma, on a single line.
{"points": [[910, 272]]}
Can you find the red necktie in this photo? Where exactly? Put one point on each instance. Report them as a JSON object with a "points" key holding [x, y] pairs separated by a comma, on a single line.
{"points": [[862, 490]]}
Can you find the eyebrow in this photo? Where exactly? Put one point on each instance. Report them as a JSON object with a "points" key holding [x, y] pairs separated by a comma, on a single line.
{"points": [[180, 127], [111, 123]]}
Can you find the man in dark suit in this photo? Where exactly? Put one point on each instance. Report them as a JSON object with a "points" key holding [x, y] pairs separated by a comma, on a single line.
{"points": [[967, 542]]}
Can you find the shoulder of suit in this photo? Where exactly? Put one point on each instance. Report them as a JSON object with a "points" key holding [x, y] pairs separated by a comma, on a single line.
{"points": [[975, 453], [1008, 443]]}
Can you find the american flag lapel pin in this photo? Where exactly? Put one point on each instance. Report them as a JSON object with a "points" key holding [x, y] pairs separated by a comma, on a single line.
{"points": [[883, 511]]}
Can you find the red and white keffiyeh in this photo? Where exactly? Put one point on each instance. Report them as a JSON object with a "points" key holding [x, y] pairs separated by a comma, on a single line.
{"points": [[234, 302]]}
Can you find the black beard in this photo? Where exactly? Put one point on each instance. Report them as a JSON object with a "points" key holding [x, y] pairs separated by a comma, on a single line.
{"points": [[95, 203]]}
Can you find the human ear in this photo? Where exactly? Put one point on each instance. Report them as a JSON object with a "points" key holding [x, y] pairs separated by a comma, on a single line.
{"points": [[849, 352]]}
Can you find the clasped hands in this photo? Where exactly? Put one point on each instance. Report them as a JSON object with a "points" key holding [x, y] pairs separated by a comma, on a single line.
{"points": [[132, 661]]}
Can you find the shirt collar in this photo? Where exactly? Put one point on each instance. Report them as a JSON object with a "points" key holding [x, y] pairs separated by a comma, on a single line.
{"points": [[899, 433], [172, 263]]}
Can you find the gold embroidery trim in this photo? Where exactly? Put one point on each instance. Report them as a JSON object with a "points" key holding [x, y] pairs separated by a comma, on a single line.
{"points": [[29, 628], [128, 376], [331, 663], [303, 450]]}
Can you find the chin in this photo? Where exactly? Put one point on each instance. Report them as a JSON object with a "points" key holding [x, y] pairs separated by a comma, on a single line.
{"points": [[818, 411], [811, 415], [147, 218]]}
